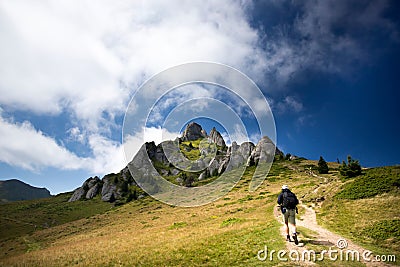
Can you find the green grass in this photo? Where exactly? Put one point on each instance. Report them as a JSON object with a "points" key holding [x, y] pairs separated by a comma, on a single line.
{"points": [[148, 233], [374, 182], [277, 170], [177, 225], [384, 230], [369, 222], [227, 232], [230, 221], [190, 149], [24, 217], [384, 234]]}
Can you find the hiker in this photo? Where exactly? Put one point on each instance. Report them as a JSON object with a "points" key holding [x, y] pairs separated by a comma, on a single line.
{"points": [[288, 202]]}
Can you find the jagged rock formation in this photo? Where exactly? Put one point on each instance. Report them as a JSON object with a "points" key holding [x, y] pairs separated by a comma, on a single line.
{"points": [[167, 156], [216, 137], [193, 132], [88, 190], [263, 151], [111, 188]]}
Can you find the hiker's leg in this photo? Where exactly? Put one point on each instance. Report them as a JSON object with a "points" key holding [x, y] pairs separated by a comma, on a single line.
{"points": [[293, 228], [285, 218], [292, 222], [287, 229]]}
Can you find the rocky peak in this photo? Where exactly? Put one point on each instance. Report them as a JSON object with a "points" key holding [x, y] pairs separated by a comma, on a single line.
{"points": [[193, 132], [120, 186], [263, 151], [216, 137]]}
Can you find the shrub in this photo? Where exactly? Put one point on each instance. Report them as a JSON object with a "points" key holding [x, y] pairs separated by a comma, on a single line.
{"points": [[350, 169], [133, 194]]}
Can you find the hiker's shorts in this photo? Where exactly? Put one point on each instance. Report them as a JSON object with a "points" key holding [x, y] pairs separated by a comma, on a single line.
{"points": [[289, 216]]}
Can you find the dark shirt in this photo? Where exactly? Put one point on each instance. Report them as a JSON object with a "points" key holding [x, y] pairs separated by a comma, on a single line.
{"points": [[280, 197]]}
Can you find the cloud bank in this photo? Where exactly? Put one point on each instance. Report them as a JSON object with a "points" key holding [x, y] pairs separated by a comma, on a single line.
{"points": [[84, 60]]}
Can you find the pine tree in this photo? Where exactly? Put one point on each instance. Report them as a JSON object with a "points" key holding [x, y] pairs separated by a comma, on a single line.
{"points": [[322, 166]]}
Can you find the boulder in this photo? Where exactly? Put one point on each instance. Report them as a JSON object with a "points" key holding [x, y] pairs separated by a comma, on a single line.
{"points": [[89, 189], [264, 151], [127, 176], [110, 190], [159, 155], [246, 148], [93, 191], [151, 149], [238, 155], [164, 172], [78, 194]]}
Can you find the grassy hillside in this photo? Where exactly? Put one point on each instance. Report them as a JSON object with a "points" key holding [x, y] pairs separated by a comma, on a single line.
{"points": [[366, 209], [229, 231], [21, 219]]}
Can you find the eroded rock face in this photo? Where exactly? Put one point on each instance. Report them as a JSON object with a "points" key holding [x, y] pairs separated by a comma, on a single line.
{"points": [[216, 137], [246, 148], [88, 190], [213, 167], [93, 191], [264, 151], [110, 191], [193, 132], [111, 187], [77, 195], [239, 155]]}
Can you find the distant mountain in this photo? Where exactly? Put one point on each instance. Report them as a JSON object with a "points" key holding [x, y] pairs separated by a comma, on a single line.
{"points": [[122, 187], [14, 190]]}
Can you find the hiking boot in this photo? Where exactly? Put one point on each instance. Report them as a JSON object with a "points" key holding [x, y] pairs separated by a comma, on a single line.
{"points": [[296, 241], [288, 238]]}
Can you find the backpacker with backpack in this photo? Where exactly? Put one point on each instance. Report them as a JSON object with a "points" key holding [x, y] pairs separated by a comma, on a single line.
{"points": [[289, 200]]}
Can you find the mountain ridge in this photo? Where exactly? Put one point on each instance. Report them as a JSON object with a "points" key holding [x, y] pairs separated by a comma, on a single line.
{"points": [[15, 190]]}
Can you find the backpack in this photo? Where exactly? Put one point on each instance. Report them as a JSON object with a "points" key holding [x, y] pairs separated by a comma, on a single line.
{"points": [[289, 200]]}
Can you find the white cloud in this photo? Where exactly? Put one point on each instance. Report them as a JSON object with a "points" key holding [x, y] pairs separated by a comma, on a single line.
{"points": [[26, 147], [85, 59], [107, 155], [132, 143], [23, 146], [187, 97], [75, 134], [76, 56]]}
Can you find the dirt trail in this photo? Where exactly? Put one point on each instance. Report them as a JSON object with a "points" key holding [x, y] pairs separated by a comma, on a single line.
{"points": [[324, 237]]}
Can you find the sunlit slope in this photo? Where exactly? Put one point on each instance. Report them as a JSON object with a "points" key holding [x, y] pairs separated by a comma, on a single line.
{"points": [[229, 231]]}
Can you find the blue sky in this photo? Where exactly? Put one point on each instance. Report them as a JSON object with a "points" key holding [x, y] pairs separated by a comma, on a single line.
{"points": [[329, 70]]}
